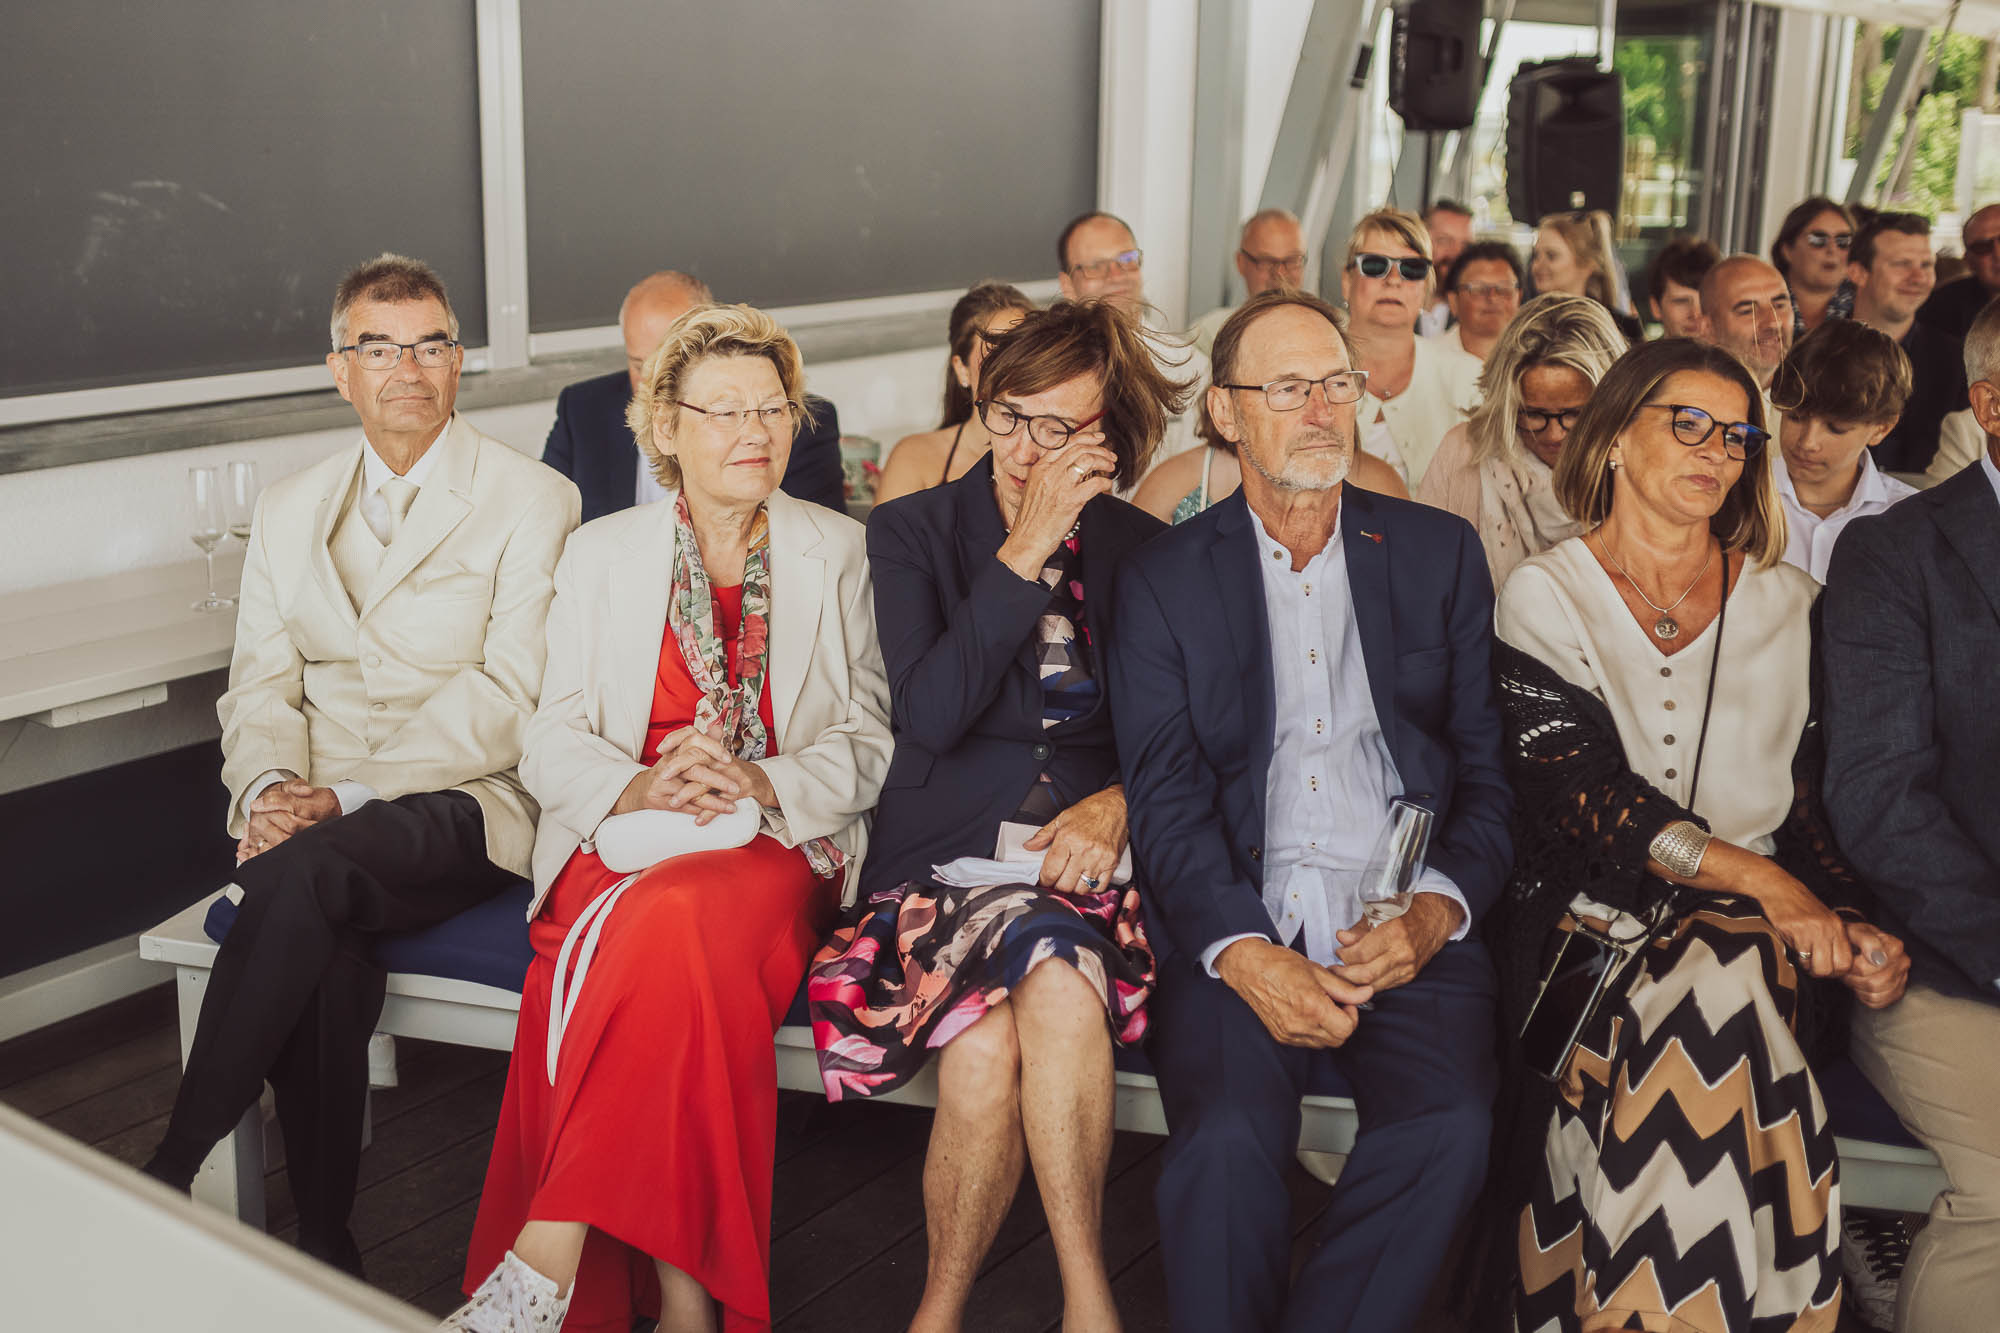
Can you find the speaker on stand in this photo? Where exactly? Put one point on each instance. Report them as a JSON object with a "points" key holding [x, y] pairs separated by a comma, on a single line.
{"points": [[1435, 72], [1565, 139]]}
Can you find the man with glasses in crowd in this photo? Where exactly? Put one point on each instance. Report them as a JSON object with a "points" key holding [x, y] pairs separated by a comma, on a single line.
{"points": [[389, 648], [1894, 272], [1952, 307], [1450, 225], [1271, 252], [1483, 288], [1101, 261], [1290, 662], [592, 446]]}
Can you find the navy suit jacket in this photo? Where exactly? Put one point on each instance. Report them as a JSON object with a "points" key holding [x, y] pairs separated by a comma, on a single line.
{"points": [[1910, 657], [592, 446], [1192, 697], [965, 698]]}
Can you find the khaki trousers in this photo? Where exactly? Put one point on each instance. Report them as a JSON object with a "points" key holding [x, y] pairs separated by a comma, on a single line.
{"points": [[1936, 1060]]}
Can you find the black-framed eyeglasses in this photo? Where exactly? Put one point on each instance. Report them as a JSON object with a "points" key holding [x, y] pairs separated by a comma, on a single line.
{"points": [[1045, 433], [382, 354], [1535, 421], [1274, 263], [1740, 439], [1126, 261], [730, 420], [1413, 268], [1289, 395], [1839, 240]]}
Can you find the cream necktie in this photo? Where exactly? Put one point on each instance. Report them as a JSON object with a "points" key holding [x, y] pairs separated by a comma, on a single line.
{"points": [[399, 493]]}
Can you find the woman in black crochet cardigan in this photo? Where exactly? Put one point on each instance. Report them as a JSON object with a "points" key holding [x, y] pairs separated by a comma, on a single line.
{"points": [[1655, 675]]}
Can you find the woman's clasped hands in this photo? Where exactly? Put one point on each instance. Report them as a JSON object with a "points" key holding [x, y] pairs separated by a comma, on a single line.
{"points": [[697, 774]]}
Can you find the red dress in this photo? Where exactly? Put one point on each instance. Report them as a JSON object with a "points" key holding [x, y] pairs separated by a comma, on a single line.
{"points": [[660, 1128]]}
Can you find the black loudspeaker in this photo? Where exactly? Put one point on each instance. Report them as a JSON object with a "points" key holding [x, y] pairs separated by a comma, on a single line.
{"points": [[1434, 72], [1565, 138]]}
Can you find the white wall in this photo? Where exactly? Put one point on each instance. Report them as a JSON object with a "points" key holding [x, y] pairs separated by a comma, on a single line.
{"points": [[1146, 138], [93, 519]]}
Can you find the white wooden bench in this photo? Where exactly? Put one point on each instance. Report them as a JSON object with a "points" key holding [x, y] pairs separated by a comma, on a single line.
{"points": [[461, 1013]]}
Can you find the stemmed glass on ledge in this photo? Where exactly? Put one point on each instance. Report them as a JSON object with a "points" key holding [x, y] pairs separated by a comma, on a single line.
{"points": [[1395, 862], [208, 525], [239, 498]]}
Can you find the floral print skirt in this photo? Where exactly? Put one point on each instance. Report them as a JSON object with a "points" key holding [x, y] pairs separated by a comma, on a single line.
{"points": [[917, 964]]}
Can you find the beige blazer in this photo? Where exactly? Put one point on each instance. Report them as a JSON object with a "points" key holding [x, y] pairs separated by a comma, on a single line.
{"points": [[830, 695], [429, 684]]}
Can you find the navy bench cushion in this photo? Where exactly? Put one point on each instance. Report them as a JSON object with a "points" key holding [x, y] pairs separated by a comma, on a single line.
{"points": [[1856, 1110], [487, 944]]}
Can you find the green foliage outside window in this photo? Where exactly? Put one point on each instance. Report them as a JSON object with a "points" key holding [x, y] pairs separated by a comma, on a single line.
{"points": [[1933, 175]]}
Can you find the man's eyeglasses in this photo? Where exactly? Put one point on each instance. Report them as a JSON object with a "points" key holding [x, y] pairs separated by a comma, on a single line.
{"points": [[1289, 395], [1488, 291], [1535, 421], [1125, 262], [1740, 440], [381, 354], [1411, 267], [1839, 240], [730, 420], [1046, 433], [1295, 264]]}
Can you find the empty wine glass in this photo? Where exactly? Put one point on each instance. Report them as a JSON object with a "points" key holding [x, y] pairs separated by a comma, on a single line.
{"points": [[239, 498], [208, 526], [1395, 862]]}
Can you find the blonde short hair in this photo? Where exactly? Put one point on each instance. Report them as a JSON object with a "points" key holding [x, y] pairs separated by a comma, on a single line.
{"points": [[1750, 520], [703, 332], [1405, 227]]}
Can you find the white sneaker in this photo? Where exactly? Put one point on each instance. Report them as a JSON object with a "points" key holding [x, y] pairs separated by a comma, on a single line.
{"points": [[514, 1298], [1874, 1246]]}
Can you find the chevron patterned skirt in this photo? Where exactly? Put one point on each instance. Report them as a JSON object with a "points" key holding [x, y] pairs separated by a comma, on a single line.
{"points": [[1689, 1182]]}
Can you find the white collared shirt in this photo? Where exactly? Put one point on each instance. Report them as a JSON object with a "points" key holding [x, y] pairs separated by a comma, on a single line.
{"points": [[1332, 777], [1809, 539], [1992, 472], [647, 489]]}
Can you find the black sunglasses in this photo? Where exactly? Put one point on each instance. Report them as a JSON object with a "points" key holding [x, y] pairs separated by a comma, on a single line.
{"points": [[1819, 240], [1411, 267]]}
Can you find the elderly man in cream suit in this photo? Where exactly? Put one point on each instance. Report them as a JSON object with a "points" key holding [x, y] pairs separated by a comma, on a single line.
{"points": [[389, 651]]}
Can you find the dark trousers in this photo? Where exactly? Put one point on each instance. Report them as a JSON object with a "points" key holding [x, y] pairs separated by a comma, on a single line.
{"points": [[1421, 1064], [296, 992]]}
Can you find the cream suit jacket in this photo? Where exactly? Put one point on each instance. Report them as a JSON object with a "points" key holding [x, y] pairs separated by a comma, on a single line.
{"points": [[428, 685], [829, 693]]}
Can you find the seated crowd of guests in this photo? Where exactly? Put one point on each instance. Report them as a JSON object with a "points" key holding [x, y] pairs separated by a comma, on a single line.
{"points": [[1090, 739]]}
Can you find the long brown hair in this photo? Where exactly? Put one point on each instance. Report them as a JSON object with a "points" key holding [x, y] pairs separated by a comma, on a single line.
{"points": [[968, 321], [1750, 519], [1843, 371], [1795, 224], [1072, 339], [1588, 236]]}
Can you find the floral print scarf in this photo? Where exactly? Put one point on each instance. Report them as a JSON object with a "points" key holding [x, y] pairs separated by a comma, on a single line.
{"points": [[726, 711]]}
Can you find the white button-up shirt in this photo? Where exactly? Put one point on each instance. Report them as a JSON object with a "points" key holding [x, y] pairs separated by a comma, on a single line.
{"points": [[1809, 538], [1992, 472], [1332, 777]]}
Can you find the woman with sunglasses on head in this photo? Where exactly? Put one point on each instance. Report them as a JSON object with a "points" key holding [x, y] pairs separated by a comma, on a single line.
{"points": [[1573, 254], [1653, 674], [1496, 470], [1415, 390], [1810, 253], [999, 927], [948, 453]]}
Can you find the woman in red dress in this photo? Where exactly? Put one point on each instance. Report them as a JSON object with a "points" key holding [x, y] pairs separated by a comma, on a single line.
{"points": [[713, 648]]}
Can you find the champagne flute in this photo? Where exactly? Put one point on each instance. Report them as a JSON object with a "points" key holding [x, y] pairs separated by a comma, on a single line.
{"points": [[239, 498], [208, 527], [1395, 862]]}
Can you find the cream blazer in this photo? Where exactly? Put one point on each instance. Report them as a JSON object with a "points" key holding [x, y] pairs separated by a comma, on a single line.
{"points": [[429, 683], [830, 695]]}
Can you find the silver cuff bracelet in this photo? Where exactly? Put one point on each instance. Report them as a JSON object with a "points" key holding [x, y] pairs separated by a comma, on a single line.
{"points": [[1679, 847]]}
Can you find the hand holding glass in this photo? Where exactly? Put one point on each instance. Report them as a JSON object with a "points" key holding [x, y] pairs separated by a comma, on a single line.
{"points": [[1395, 863]]}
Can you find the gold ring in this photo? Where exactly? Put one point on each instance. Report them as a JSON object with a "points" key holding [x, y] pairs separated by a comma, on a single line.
{"points": [[1081, 469]]}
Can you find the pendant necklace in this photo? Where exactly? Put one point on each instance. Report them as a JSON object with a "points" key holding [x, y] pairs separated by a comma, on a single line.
{"points": [[1666, 627]]}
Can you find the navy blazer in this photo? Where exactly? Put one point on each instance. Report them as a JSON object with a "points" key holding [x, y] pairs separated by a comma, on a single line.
{"points": [[592, 446], [1192, 696], [1909, 647], [965, 699]]}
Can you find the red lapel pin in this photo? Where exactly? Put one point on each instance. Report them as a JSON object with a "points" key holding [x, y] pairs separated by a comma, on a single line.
{"points": [[1375, 537]]}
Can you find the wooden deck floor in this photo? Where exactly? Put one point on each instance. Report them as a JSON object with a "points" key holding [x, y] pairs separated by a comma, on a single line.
{"points": [[847, 1233]]}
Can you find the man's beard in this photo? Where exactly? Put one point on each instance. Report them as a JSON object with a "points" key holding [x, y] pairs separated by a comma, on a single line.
{"points": [[1285, 482]]}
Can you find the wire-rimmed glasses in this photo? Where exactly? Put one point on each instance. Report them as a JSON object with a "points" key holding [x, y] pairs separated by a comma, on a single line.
{"points": [[731, 420], [382, 354], [1125, 261], [1289, 395]]}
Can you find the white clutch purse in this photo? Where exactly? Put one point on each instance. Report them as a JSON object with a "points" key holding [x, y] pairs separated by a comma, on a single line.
{"points": [[637, 841], [1011, 848]]}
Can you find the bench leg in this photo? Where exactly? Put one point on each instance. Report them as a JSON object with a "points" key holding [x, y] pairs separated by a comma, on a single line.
{"points": [[232, 1179]]}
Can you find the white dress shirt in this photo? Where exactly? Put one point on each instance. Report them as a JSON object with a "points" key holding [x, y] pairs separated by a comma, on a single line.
{"points": [[1332, 777], [647, 489], [374, 510], [1992, 472], [1809, 538]]}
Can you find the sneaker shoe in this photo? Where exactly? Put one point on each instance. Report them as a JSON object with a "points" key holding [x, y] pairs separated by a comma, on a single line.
{"points": [[514, 1298], [1874, 1246]]}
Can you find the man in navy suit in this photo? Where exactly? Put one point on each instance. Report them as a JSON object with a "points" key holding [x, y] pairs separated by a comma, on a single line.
{"points": [[592, 446], [1291, 661]]}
